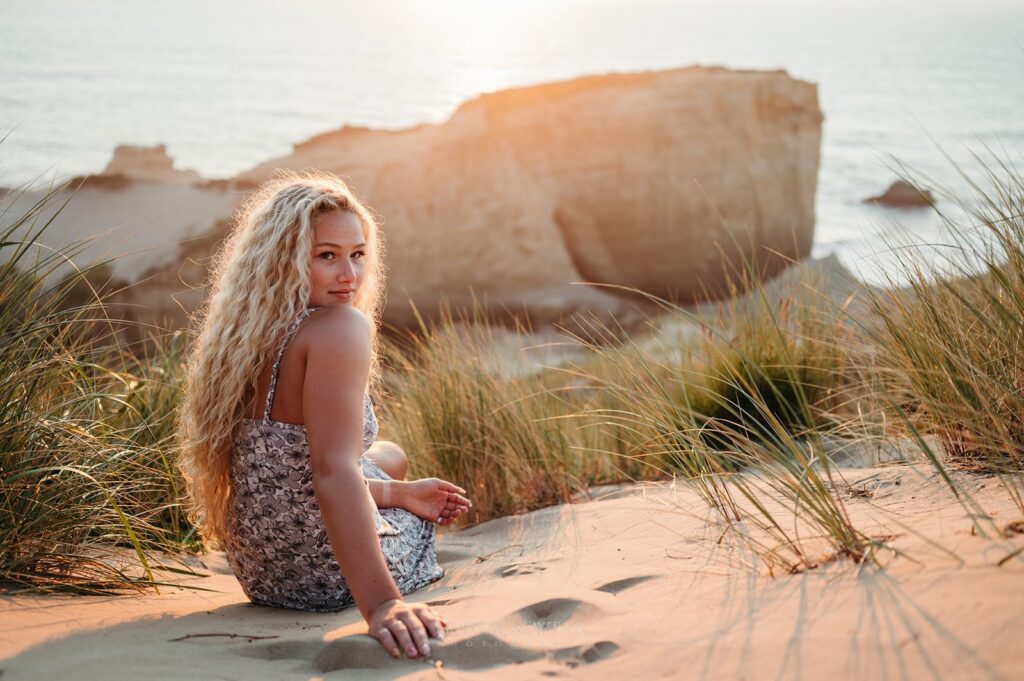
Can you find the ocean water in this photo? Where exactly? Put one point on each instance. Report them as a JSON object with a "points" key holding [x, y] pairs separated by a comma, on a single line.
{"points": [[226, 84]]}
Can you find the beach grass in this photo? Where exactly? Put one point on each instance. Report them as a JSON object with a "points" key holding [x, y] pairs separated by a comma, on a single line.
{"points": [[951, 340], [737, 411], [741, 400], [86, 441], [468, 410]]}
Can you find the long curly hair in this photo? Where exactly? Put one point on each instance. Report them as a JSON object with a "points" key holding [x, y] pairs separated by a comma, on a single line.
{"points": [[259, 283]]}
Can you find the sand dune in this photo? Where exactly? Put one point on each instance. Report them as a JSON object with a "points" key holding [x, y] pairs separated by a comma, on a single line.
{"points": [[630, 584]]}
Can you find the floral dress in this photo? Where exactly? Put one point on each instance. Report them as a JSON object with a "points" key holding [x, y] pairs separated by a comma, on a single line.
{"points": [[276, 543]]}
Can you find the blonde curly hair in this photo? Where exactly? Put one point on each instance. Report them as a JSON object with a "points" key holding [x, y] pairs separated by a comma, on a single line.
{"points": [[259, 284]]}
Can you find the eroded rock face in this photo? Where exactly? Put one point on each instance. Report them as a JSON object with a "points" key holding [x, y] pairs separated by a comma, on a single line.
{"points": [[641, 180], [692, 167]]}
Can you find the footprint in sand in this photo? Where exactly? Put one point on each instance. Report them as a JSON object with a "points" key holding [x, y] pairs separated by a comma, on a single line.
{"points": [[620, 585], [552, 612], [572, 657], [486, 652], [517, 569]]}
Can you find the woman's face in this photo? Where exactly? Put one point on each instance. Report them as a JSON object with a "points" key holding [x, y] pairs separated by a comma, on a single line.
{"points": [[339, 254]]}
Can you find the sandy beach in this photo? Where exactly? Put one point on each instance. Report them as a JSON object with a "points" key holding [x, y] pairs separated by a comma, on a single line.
{"points": [[714, 311], [631, 583]]}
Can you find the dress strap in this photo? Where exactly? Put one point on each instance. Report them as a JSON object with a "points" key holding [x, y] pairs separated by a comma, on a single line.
{"points": [[280, 353]]}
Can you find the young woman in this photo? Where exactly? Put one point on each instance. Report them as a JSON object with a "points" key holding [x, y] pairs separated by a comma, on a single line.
{"points": [[278, 431]]}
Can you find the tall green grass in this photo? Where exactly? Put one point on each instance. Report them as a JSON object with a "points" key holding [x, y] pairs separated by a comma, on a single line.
{"points": [[951, 341], [736, 411], [736, 400], [87, 490], [484, 417]]}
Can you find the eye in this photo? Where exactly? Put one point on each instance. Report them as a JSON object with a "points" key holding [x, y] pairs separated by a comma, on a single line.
{"points": [[359, 254], [327, 255]]}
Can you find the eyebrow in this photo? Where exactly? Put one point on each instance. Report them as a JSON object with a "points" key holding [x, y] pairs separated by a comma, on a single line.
{"points": [[328, 243]]}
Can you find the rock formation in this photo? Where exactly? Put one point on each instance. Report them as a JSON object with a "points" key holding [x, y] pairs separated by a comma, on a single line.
{"points": [[660, 180], [663, 181], [149, 164], [902, 194], [137, 164]]}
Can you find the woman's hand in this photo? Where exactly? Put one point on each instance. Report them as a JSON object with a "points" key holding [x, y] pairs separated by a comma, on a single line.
{"points": [[405, 626], [435, 500]]}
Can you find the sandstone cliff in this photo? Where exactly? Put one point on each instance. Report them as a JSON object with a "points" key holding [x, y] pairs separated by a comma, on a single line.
{"points": [[640, 180], [643, 180]]}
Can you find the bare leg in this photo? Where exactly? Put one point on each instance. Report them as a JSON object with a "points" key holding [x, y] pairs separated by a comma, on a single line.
{"points": [[390, 458]]}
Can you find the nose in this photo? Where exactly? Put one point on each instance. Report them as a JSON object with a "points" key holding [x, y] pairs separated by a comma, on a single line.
{"points": [[347, 273]]}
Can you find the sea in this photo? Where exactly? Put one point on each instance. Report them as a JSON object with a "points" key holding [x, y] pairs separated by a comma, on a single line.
{"points": [[932, 90]]}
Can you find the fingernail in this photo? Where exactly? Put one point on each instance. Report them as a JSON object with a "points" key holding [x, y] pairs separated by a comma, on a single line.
{"points": [[411, 651], [425, 650]]}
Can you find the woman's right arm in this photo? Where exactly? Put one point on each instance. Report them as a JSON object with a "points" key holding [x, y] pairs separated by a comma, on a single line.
{"points": [[337, 367]]}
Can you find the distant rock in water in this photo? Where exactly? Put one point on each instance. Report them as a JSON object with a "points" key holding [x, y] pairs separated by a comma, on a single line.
{"points": [[902, 194]]}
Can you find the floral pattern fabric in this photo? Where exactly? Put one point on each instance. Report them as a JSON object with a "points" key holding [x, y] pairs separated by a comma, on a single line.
{"points": [[276, 543]]}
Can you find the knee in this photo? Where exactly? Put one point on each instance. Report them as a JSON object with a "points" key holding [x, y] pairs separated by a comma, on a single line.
{"points": [[401, 464], [393, 460]]}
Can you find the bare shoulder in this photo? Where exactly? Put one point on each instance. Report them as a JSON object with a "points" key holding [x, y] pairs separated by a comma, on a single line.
{"points": [[331, 328]]}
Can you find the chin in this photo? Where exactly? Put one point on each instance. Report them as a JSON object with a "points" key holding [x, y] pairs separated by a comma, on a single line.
{"points": [[331, 301]]}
